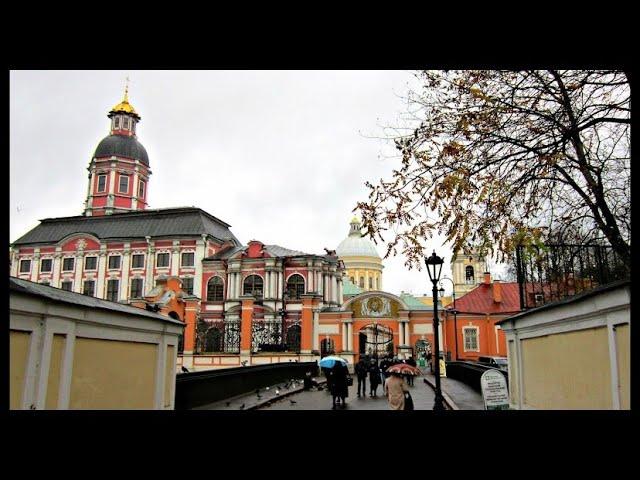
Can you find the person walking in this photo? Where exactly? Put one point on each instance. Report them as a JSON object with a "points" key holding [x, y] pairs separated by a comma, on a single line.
{"points": [[340, 389], [361, 373], [384, 364], [374, 378], [411, 361], [394, 389]]}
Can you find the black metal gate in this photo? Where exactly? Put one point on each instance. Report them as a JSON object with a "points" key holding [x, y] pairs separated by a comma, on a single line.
{"points": [[376, 341]]}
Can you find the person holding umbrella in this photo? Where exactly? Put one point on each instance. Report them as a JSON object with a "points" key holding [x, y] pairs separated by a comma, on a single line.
{"points": [[340, 388], [374, 378], [396, 387]]}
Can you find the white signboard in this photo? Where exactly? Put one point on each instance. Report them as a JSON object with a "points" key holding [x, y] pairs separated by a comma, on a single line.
{"points": [[494, 390]]}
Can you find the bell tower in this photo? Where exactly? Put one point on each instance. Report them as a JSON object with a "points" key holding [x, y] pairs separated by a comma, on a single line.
{"points": [[468, 272], [119, 170]]}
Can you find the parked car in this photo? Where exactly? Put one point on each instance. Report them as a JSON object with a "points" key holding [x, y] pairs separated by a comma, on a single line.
{"points": [[496, 362]]}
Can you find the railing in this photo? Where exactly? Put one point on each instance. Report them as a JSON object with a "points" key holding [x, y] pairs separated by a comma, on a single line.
{"points": [[551, 273], [195, 389], [469, 373]]}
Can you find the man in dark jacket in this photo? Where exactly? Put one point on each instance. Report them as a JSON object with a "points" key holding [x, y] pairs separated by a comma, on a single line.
{"points": [[384, 364], [361, 373]]}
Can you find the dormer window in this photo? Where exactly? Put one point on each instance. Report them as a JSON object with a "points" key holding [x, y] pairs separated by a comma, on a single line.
{"points": [[116, 123], [124, 184], [125, 123]]}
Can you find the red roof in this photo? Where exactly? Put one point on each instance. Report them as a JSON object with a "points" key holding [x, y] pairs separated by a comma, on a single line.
{"points": [[480, 299]]}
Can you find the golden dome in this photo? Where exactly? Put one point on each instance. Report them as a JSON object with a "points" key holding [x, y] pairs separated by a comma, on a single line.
{"points": [[124, 106]]}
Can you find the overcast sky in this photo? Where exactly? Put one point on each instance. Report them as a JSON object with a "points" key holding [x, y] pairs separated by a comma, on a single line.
{"points": [[282, 156]]}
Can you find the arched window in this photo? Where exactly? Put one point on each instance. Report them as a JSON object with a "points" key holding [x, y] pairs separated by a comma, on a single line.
{"points": [[253, 286], [295, 286], [361, 282], [469, 274], [215, 290]]}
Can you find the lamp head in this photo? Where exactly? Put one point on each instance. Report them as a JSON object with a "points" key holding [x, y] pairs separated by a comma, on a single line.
{"points": [[434, 266]]}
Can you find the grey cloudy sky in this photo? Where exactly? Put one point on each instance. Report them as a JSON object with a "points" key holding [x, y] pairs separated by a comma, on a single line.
{"points": [[282, 156]]}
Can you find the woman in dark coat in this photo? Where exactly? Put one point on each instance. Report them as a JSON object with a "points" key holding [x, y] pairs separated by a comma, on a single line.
{"points": [[374, 378], [339, 387]]}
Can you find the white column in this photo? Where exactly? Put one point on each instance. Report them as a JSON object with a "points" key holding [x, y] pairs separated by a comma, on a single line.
{"points": [[280, 283], [134, 191], [197, 279], [334, 288], [57, 266], [112, 179], [319, 281], [344, 335], [229, 285], [407, 333], [316, 329], [126, 260], [79, 266], [35, 265], [151, 261], [340, 297], [14, 263], [175, 258], [350, 336], [238, 284], [102, 272]]}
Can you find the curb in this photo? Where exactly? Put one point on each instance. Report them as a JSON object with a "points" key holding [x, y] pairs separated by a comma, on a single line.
{"points": [[447, 399]]}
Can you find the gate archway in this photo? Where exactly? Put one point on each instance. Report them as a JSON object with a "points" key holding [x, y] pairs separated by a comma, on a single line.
{"points": [[423, 347], [376, 340]]}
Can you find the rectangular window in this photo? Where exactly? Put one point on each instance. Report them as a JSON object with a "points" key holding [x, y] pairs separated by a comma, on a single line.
{"points": [[102, 183], [25, 266], [112, 290], [45, 265], [67, 264], [90, 263], [470, 339], [163, 260], [137, 261], [124, 184], [114, 262], [187, 259], [361, 282], [136, 288], [125, 122], [89, 288], [116, 123], [187, 285], [66, 285], [141, 189]]}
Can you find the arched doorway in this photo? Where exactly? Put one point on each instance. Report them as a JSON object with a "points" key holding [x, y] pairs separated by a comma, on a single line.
{"points": [[376, 340], [423, 347], [327, 347]]}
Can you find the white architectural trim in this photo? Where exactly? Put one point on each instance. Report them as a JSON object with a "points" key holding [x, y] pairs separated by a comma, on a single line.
{"points": [[464, 338]]}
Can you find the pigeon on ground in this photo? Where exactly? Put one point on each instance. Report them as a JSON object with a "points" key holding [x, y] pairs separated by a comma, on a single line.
{"points": [[242, 407], [185, 369], [277, 392], [293, 401]]}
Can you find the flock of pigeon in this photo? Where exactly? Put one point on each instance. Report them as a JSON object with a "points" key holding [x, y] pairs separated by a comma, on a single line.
{"points": [[278, 388]]}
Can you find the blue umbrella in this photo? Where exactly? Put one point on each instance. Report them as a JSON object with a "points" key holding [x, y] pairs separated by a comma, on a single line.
{"points": [[329, 362]]}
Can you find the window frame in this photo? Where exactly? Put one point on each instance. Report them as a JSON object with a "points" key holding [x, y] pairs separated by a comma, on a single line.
{"points": [[253, 287], [136, 280], [117, 289], [141, 188], [116, 122], [95, 267], [133, 257], [193, 256], [25, 261], [168, 260], [211, 297], [465, 336], [73, 260], [297, 284], [192, 282], [104, 188], [119, 257], [120, 178], [50, 260], [93, 289], [66, 282]]}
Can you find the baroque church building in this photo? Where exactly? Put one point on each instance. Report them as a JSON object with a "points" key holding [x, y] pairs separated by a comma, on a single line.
{"points": [[241, 304]]}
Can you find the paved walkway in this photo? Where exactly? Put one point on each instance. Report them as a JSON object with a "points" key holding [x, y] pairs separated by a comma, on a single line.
{"points": [[464, 397], [423, 398]]}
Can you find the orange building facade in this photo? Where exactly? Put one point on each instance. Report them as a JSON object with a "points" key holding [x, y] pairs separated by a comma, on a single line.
{"points": [[473, 331]]}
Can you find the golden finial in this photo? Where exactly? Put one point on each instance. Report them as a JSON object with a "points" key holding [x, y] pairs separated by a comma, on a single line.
{"points": [[126, 90]]}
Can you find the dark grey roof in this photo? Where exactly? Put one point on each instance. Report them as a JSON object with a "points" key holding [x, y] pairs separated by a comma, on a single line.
{"points": [[274, 250], [278, 251], [59, 295], [129, 225], [122, 146]]}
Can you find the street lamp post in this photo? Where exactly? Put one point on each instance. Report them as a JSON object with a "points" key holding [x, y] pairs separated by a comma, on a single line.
{"points": [[455, 312], [434, 268]]}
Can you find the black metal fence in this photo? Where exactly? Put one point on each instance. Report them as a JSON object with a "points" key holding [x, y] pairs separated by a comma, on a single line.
{"points": [[470, 373], [195, 389], [551, 273]]}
